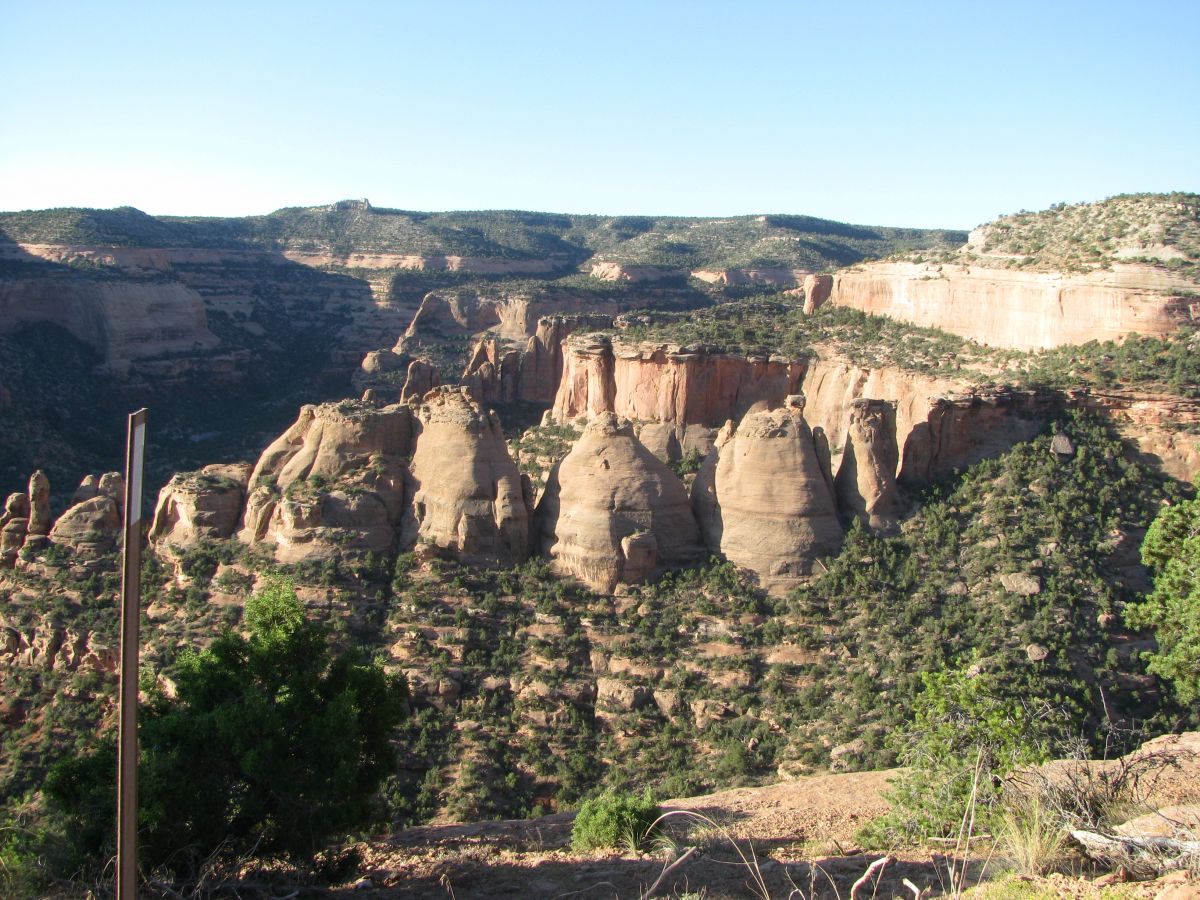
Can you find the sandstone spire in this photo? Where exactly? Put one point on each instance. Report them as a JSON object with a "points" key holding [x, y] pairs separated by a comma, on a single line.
{"points": [[762, 499], [468, 496], [866, 479], [613, 512]]}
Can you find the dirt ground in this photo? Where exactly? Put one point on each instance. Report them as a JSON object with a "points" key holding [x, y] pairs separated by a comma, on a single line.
{"points": [[798, 837]]}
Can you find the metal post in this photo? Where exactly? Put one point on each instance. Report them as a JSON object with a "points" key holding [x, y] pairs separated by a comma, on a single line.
{"points": [[131, 611]]}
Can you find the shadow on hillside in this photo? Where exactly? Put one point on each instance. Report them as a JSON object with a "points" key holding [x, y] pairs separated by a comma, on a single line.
{"points": [[718, 873]]}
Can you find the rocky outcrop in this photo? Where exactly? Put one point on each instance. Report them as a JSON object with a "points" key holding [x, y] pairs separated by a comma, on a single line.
{"points": [[941, 423], [668, 383], [507, 315], [672, 443], [769, 276], [817, 289], [614, 513], [763, 501], [503, 371], [126, 322], [14, 524], [608, 270], [197, 506], [421, 378], [40, 516], [332, 484], [1020, 309], [962, 428], [468, 498], [866, 479]]}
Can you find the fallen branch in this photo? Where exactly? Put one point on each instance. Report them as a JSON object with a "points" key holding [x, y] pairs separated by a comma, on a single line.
{"points": [[866, 876], [667, 871], [1141, 856]]}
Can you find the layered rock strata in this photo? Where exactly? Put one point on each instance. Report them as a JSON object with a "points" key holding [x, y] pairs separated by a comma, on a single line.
{"points": [[614, 513], [668, 383], [866, 480], [763, 501], [125, 322], [1021, 309], [468, 498]]}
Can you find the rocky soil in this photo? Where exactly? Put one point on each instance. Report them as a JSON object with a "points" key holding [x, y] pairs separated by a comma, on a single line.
{"points": [[797, 835]]}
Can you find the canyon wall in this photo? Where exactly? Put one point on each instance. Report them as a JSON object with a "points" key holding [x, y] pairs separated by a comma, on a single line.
{"points": [[1021, 309], [125, 322], [668, 383]]}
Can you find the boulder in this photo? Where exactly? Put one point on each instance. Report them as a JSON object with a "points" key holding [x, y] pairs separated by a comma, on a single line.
{"points": [[613, 512], [763, 501], [866, 479], [468, 498]]}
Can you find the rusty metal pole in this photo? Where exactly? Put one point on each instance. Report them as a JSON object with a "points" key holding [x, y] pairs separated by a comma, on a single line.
{"points": [[131, 611]]}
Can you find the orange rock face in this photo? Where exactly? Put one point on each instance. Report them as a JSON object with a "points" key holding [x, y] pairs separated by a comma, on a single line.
{"points": [[1020, 309], [667, 383]]}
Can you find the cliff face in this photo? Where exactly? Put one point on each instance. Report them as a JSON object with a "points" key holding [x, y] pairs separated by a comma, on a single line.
{"points": [[940, 423], [665, 383], [763, 500], [1020, 309], [126, 322]]}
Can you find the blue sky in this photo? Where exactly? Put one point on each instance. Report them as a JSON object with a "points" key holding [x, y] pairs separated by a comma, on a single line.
{"points": [[921, 114]]}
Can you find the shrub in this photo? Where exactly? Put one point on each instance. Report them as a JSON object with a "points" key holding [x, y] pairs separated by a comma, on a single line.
{"points": [[615, 820], [1172, 550], [963, 739], [272, 745]]}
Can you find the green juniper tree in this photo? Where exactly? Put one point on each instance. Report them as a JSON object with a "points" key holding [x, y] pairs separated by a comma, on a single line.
{"points": [[271, 744]]}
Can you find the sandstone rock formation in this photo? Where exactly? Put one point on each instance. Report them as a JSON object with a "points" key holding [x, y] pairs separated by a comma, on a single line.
{"points": [[468, 497], [40, 517], [817, 289], [14, 523], [614, 513], [197, 506], [1020, 309], [772, 276], [866, 479], [332, 484], [668, 383], [941, 423], [763, 501], [90, 528], [421, 378], [504, 370], [124, 321], [672, 443], [608, 270]]}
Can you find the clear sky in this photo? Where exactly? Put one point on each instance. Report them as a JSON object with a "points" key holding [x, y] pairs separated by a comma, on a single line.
{"points": [[888, 113]]}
